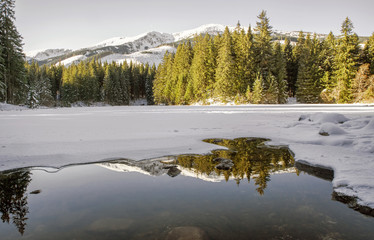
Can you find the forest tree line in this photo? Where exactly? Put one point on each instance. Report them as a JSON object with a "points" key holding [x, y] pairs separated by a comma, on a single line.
{"points": [[88, 82], [244, 66], [249, 67]]}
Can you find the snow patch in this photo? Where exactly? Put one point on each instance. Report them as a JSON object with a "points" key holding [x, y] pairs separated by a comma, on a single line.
{"points": [[329, 128], [72, 60], [150, 56]]}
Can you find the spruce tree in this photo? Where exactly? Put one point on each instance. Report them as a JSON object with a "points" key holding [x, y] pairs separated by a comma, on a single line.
{"points": [[13, 70], [226, 82], [257, 93], [291, 67], [44, 90], [309, 72], [345, 62], [262, 45], [162, 78], [279, 73], [369, 53], [297, 53], [202, 70], [2, 79], [244, 59], [149, 84], [181, 72], [327, 59]]}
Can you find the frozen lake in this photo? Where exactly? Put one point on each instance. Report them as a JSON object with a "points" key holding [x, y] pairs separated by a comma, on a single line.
{"points": [[337, 136]]}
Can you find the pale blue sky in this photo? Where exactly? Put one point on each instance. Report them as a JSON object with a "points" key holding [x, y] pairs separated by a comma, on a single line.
{"points": [[79, 23]]}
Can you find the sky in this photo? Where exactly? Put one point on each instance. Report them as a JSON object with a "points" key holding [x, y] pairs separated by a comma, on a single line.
{"points": [[74, 24]]}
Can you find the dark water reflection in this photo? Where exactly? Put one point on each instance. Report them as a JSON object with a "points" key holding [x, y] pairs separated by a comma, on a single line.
{"points": [[179, 196]]}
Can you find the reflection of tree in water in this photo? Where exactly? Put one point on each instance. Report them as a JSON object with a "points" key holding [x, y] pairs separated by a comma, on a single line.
{"points": [[250, 156], [13, 198]]}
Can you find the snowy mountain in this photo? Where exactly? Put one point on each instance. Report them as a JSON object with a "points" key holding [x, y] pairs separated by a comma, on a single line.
{"points": [[138, 43], [41, 55], [144, 48]]}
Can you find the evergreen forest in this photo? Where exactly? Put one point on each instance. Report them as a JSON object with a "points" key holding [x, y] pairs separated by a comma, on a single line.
{"points": [[248, 66], [240, 65]]}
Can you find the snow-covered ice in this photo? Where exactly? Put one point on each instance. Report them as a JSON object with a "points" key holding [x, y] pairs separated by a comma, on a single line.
{"points": [[57, 137]]}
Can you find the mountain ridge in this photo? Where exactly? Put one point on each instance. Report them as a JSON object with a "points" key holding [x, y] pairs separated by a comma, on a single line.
{"points": [[142, 48]]}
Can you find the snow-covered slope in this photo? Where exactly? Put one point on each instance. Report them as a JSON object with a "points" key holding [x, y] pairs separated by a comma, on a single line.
{"points": [[150, 56], [74, 59], [120, 49], [138, 43], [212, 29], [41, 55]]}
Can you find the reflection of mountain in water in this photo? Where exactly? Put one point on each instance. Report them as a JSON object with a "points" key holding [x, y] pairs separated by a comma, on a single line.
{"points": [[246, 158]]}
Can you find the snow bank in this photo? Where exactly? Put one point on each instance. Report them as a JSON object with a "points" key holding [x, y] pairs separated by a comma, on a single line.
{"points": [[57, 137]]}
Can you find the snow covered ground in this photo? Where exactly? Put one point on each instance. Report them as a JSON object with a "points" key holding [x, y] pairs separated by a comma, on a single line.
{"points": [[336, 136]]}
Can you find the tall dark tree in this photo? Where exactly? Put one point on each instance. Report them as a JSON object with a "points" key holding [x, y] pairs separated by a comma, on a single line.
{"points": [[2, 79], [345, 62], [327, 60], [244, 59], [291, 67], [309, 73], [203, 67], [368, 53], [263, 46], [226, 81], [162, 79], [149, 84], [12, 58], [280, 74]]}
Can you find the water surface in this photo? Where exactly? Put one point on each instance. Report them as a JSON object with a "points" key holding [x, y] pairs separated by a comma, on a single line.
{"points": [[260, 197]]}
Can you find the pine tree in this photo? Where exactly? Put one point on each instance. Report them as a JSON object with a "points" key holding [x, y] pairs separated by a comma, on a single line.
{"points": [[55, 75], [244, 59], [181, 72], [38, 85], [291, 67], [13, 70], [32, 80], [327, 58], [202, 70], [345, 62], [115, 87], [369, 53], [309, 73], [44, 89], [2, 79], [226, 83], [149, 84], [297, 53], [262, 45], [363, 85], [257, 93], [162, 78], [279, 73]]}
